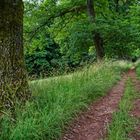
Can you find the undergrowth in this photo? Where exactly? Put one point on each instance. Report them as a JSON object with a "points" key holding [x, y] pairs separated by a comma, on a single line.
{"points": [[57, 100]]}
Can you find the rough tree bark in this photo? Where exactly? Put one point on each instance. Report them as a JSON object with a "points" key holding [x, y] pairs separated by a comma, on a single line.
{"points": [[98, 41], [13, 80]]}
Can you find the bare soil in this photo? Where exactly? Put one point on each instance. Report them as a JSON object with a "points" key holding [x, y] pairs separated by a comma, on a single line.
{"points": [[92, 124], [136, 106]]}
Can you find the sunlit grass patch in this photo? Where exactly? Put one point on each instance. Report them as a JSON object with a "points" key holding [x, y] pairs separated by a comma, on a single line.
{"points": [[57, 100]]}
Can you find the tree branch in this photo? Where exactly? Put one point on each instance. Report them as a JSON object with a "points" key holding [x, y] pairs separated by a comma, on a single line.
{"points": [[75, 9]]}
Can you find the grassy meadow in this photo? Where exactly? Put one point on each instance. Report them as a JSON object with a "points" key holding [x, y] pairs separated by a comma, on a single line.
{"points": [[57, 100]]}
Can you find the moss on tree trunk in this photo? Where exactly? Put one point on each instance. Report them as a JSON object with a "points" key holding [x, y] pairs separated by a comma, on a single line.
{"points": [[13, 79]]}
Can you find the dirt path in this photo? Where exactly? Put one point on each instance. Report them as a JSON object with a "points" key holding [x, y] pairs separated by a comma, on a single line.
{"points": [[136, 82], [136, 109], [92, 124]]}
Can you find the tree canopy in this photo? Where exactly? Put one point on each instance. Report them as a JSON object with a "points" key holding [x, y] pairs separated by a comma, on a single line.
{"points": [[62, 34]]}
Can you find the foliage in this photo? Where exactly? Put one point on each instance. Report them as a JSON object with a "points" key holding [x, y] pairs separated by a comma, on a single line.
{"points": [[61, 29], [42, 56]]}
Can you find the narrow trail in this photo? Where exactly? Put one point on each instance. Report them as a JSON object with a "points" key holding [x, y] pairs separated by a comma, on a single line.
{"points": [[136, 105], [136, 109], [92, 124]]}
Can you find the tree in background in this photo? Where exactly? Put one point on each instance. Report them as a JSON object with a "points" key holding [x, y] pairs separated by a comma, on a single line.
{"points": [[98, 40], [42, 55], [13, 79], [112, 31]]}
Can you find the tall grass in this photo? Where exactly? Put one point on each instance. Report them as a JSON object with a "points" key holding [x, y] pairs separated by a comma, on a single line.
{"points": [[57, 101], [138, 70], [123, 123]]}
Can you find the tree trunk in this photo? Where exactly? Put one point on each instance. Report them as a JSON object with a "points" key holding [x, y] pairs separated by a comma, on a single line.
{"points": [[99, 46], [13, 79], [117, 5], [98, 41]]}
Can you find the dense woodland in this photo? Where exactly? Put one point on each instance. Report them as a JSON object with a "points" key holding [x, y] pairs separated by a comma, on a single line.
{"points": [[62, 35], [57, 57]]}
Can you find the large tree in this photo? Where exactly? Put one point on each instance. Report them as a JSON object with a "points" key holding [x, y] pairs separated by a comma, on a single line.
{"points": [[97, 39], [13, 79], [66, 15]]}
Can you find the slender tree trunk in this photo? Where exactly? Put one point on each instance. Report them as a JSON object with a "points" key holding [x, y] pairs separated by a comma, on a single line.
{"points": [[13, 80], [98, 41], [117, 5]]}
